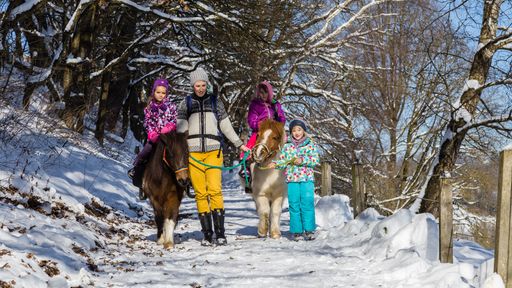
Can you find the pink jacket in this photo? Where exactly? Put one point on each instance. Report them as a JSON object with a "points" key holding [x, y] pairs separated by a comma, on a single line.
{"points": [[260, 110], [159, 116]]}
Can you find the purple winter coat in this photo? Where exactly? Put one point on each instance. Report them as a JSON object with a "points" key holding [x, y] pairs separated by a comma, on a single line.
{"points": [[260, 110]]}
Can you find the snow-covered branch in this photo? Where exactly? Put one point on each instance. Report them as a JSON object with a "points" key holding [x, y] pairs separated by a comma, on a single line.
{"points": [[76, 14], [163, 15], [220, 15], [163, 61], [347, 23], [486, 122], [25, 7]]}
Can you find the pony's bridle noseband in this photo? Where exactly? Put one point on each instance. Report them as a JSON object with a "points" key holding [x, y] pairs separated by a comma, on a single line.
{"points": [[269, 152]]}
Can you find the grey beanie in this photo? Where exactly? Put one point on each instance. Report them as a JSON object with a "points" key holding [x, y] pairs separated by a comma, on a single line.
{"points": [[198, 75]]}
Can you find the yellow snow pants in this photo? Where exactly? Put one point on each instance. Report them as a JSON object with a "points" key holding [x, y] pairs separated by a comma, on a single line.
{"points": [[207, 182]]}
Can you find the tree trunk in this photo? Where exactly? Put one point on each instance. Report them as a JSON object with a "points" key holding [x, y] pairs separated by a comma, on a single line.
{"points": [[77, 96], [39, 55], [121, 74], [134, 115], [115, 83], [449, 151], [99, 133], [391, 165], [5, 27]]}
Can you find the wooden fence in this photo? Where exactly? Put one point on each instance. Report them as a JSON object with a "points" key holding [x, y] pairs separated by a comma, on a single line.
{"points": [[358, 197], [503, 248]]}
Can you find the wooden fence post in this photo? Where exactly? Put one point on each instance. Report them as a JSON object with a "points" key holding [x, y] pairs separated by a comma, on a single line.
{"points": [[326, 179], [503, 248], [445, 221], [358, 189]]}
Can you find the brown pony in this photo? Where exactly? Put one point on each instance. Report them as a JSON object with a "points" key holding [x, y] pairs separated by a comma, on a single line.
{"points": [[268, 185], [165, 179]]}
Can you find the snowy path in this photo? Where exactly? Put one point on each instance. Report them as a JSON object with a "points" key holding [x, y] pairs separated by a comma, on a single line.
{"points": [[247, 260]]}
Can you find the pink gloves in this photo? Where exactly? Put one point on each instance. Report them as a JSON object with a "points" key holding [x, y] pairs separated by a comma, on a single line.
{"points": [[168, 128], [153, 136]]}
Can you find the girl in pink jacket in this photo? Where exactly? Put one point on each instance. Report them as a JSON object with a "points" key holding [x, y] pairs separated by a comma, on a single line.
{"points": [[262, 107], [160, 117]]}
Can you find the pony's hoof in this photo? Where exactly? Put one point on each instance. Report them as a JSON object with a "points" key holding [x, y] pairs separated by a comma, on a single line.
{"points": [[160, 241], [275, 235], [168, 245]]}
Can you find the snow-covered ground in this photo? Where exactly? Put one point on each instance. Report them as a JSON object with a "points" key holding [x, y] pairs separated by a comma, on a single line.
{"points": [[70, 217]]}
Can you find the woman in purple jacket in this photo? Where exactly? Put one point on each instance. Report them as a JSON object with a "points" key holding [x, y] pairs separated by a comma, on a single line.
{"points": [[262, 107]]}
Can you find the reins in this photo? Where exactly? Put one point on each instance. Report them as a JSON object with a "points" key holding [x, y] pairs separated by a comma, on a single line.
{"points": [[242, 162]]}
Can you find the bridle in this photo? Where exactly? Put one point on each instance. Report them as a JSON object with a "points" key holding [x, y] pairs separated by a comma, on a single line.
{"points": [[269, 153], [164, 156]]}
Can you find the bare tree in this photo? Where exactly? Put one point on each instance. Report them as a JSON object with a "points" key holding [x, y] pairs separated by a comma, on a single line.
{"points": [[467, 111]]}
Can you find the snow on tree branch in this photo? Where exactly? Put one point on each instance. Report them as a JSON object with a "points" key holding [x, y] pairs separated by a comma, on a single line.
{"points": [[25, 7], [218, 14], [46, 72], [164, 61], [486, 122], [167, 16], [345, 25], [76, 14]]}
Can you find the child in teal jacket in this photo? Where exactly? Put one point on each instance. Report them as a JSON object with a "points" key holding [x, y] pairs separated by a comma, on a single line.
{"points": [[299, 156]]}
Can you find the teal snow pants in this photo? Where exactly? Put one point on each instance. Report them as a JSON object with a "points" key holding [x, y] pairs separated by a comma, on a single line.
{"points": [[301, 203]]}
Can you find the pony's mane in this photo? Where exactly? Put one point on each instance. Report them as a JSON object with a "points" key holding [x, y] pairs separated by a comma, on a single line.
{"points": [[156, 166]]}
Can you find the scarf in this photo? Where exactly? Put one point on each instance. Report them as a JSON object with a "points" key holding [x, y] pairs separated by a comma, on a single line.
{"points": [[297, 143], [162, 106]]}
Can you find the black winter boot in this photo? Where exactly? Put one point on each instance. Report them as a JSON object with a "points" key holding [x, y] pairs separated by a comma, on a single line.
{"points": [[142, 195], [137, 173], [218, 223], [206, 228]]}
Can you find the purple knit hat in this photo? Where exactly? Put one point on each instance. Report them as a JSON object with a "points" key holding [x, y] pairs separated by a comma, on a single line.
{"points": [[160, 82]]}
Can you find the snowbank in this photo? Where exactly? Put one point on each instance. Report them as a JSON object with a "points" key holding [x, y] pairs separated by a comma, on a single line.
{"points": [[333, 211]]}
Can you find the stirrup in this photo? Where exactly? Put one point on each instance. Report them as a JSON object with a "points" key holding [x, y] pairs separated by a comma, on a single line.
{"points": [[142, 195], [131, 173]]}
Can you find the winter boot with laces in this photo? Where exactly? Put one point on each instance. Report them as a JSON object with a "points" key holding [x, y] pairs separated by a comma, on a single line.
{"points": [[218, 223], [206, 227], [308, 236], [297, 237]]}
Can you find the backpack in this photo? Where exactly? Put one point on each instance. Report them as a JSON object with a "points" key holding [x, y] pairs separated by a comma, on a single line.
{"points": [[213, 99]]}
